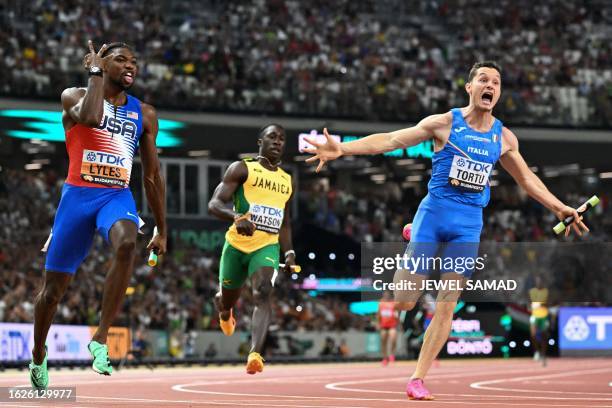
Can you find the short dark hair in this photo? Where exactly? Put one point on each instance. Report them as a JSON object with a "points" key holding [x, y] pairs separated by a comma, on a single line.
{"points": [[115, 45], [260, 134], [483, 64]]}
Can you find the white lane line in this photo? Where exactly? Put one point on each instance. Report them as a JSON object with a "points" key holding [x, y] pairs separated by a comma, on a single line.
{"points": [[484, 385], [325, 401], [204, 402]]}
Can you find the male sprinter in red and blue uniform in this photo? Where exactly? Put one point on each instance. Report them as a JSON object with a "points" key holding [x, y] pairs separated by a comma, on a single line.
{"points": [[468, 143], [104, 128]]}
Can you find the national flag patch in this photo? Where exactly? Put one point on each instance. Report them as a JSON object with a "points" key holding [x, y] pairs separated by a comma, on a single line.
{"points": [[132, 115], [495, 137]]}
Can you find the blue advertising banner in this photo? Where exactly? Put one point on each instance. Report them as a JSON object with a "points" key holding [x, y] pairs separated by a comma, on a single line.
{"points": [[585, 328]]}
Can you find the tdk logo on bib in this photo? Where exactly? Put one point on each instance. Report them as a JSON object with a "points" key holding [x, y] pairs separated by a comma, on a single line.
{"points": [[103, 158], [473, 165], [263, 210], [469, 175]]}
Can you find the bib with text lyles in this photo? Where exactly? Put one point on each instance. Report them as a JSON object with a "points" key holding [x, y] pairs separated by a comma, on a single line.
{"points": [[469, 175], [105, 168]]}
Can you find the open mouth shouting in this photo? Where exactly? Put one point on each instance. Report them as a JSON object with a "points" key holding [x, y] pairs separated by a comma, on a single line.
{"points": [[487, 98]]}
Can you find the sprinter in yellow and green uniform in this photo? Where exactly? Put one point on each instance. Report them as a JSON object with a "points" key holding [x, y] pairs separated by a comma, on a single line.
{"points": [[538, 321], [260, 231]]}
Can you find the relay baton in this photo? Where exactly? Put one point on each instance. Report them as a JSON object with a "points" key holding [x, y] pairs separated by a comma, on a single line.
{"points": [[294, 268], [592, 202], [153, 254]]}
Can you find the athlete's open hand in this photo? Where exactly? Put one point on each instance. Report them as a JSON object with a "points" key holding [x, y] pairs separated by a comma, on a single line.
{"points": [[577, 225], [95, 59], [324, 152], [159, 243]]}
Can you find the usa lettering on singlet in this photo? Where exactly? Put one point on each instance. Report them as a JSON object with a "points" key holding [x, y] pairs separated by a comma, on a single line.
{"points": [[102, 156]]}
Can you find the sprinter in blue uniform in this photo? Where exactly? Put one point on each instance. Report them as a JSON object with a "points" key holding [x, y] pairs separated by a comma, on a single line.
{"points": [[468, 143]]}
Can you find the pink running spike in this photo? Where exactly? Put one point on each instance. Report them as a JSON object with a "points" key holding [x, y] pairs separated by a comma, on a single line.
{"points": [[415, 389]]}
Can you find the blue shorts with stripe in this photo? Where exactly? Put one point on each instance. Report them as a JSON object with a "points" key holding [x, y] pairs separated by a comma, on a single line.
{"points": [[81, 212], [447, 231]]}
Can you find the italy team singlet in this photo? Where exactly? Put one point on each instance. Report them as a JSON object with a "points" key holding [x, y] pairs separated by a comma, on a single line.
{"points": [[102, 156], [461, 170]]}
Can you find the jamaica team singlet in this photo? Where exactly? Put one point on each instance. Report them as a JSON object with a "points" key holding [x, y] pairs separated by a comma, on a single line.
{"points": [[263, 195], [102, 156]]}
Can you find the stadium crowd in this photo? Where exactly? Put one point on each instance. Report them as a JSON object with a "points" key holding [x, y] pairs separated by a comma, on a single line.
{"points": [[388, 60]]}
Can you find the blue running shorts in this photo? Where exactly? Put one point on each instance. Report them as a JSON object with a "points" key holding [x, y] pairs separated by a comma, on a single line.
{"points": [[447, 231], [81, 212]]}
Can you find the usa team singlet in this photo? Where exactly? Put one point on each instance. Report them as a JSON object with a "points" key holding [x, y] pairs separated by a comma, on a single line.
{"points": [[96, 193]]}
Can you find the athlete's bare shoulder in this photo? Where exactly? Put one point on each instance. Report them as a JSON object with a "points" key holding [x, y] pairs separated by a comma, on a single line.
{"points": [[237, 172], [438, 125], [509, 140], [71, 96], [149, 115]]}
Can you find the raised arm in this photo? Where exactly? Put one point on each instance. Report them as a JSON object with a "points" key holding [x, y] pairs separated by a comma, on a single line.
{"points": [[434, 126], [512, 161], [155, 187], [85, 106]]}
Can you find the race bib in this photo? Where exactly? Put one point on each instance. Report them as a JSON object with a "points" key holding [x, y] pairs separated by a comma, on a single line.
{"points": [[104, 168], [268, 219], [469, 175]]}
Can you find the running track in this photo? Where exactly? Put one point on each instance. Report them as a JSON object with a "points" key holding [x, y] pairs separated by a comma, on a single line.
{"points": [[455, 383]]}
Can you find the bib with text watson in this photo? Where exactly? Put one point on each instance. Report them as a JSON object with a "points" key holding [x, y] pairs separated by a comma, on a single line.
{"points": [[469, 175], [104, 168], [266, 218]]}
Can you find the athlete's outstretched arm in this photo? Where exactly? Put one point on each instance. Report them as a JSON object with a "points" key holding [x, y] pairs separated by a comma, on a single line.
{"points": [[377, 143], [512, 161], [284, 236], [87, 107], [154, 184]]}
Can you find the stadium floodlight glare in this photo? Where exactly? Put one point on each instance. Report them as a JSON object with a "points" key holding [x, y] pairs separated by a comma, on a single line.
{"points": [[551, 342], [298, 308], [294, 276], [351, 256], [526, 343], [311, 255], [512, 344], [33, 166], [332, 256], [606, 175]]}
